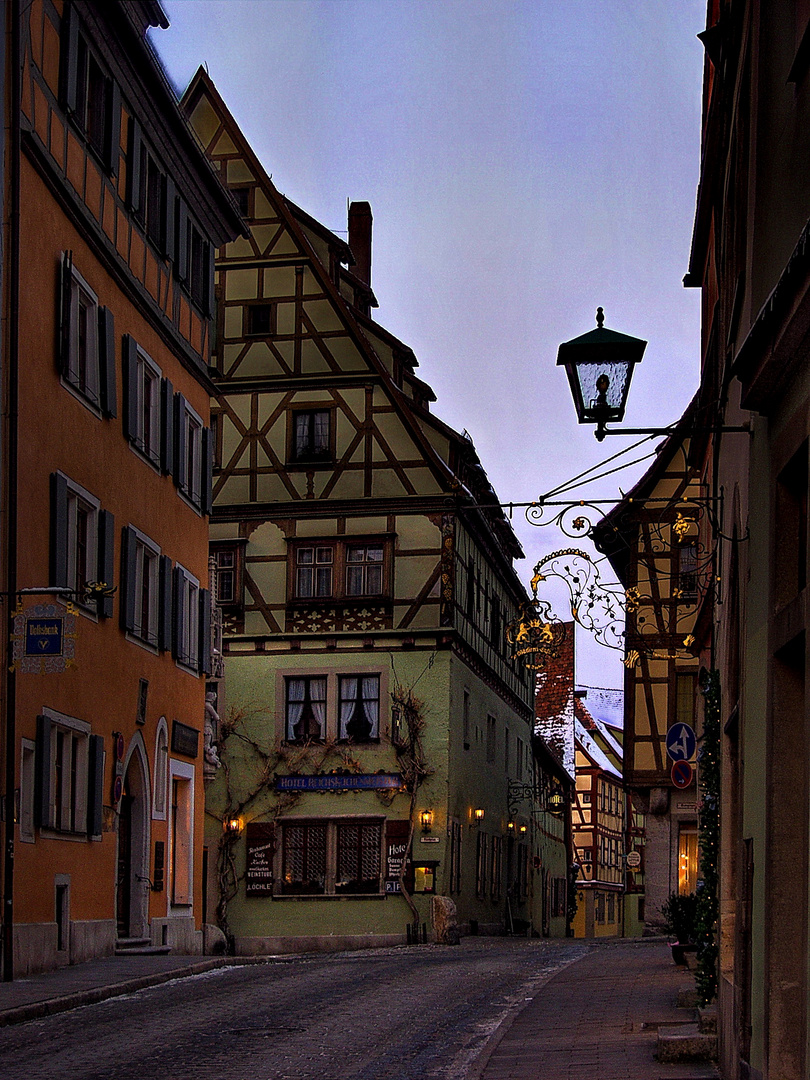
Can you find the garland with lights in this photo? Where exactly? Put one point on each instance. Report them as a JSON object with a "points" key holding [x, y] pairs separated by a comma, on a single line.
{"points": [[707, 904]]}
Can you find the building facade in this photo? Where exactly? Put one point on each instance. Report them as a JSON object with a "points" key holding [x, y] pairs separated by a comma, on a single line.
{"points": [[654, 543], [372, 719], [750, 259], [112, 218]]}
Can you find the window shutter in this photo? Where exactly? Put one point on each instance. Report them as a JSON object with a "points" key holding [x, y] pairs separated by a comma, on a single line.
{"points": [[181, 247], [178, 613], [204, 665], [112, 127], [167, 212], [128, 573], [65, 294], [166, 426], [206, 469], [42, 773], [106, 361], [69, 57], [130, 365], [180, 462], [95, 785], [210, 259], [106, 559], [59, 532], [134, 165], [165, 637]]}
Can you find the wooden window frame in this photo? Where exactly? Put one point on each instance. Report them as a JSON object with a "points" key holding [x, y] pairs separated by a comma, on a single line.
{"points": [[340, 547], [342, 728], [331, 884], [236, 548], [249, 310], [310, 461]]}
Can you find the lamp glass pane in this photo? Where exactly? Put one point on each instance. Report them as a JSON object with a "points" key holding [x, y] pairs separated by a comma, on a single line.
{"points": [[618, 375]]}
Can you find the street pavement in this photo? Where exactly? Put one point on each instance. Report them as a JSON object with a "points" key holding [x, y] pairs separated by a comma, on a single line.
{"points": [[488, 1009]]}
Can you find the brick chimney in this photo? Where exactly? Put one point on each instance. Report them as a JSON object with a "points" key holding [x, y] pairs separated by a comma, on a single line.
{"points": [[360, 239]]}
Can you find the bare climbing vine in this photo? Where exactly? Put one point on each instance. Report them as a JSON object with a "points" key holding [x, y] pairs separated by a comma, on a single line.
{"points": [[414, 769]]}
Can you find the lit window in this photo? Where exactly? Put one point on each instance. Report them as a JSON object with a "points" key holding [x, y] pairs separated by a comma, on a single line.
{"points": [[304, 858], [359, 860]]}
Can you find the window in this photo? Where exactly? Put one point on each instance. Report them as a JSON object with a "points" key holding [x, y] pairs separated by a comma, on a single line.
{"points": [[260, 320], [242, 197], [86, 341], [193, 455], [314, 571], [466, 720], [506, 750], [228, 560], [91, 98], [27, 787], [331, 857], [194, 261], [481, 866], [455, 856], [306, 708], [69, 775], [339, 570], [181, 833], [364, 570], [161, 770], [359, 708], [144, 586], [687, 570], [495, 863], [145, 407], [82, 542], [191, 622], [470, 599], [495, 621], [311, 440]]}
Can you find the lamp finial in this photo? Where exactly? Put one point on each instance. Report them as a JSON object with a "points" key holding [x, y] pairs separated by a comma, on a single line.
{"points": [[600, 317]]}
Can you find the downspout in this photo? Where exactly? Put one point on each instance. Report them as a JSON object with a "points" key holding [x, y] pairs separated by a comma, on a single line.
{"points": [[11, 489]]}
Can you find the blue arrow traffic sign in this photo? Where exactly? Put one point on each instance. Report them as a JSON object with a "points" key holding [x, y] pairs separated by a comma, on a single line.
{"points": [[681, 742]]}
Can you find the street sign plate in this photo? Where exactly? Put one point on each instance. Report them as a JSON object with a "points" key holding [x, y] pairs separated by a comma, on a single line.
{"points": [[681, 742], [633, 859], [682, 773]]}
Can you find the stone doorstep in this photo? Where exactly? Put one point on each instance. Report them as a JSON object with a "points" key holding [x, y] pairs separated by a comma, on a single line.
{"points": [[685, 1042], [707, 1020]]}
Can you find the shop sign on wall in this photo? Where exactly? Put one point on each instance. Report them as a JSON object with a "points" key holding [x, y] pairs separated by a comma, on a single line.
{"points": [[44, 639], [259, 867]]}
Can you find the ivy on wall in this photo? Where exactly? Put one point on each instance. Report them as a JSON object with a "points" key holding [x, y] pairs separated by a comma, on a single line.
{"points": [[707, 896]]}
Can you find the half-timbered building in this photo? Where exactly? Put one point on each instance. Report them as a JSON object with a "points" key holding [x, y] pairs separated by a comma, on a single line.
{"points": [[652, 539], [111, 214], [371, 714]]}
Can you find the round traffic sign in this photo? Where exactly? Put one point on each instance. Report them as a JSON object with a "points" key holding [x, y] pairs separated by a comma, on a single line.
{"points": [[682, 773]]}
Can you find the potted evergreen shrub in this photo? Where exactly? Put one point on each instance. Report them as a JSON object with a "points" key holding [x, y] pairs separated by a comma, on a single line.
{"points": [[680, 920]]}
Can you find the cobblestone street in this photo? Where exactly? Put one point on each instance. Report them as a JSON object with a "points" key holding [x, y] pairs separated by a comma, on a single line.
{"points": [[423, 1012]]}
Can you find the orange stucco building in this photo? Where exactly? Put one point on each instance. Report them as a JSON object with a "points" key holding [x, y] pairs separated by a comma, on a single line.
{"points": [[113, 219]]}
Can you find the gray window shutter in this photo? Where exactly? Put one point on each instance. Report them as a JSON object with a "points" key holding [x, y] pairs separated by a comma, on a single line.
{"points": [[165, 638], [210, 259], [204, 638], [65, 293], [181, 248], [180, 463], [106, 361], [134, 165], [167, 225], [207, 468], [106, 559], [166, 426], [95, 785], [42, 773], [127, 604], [112, 127], [130, 366], [178, 613], [59, 532], [69, 57]]}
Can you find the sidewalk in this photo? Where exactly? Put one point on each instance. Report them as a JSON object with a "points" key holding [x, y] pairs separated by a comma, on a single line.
{"points": [[96, 980], [598, 1017]]}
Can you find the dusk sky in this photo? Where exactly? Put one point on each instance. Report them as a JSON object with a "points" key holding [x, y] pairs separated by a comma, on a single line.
{"points": [[525, 160]]}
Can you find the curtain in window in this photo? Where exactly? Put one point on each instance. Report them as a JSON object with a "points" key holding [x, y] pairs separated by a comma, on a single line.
{"points": [[317, 694], [371, 704], [320, 433], [296, 692], [348, 705]]}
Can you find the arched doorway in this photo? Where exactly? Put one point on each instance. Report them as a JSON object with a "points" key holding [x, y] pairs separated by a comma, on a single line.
{"points": [[132, 884]]}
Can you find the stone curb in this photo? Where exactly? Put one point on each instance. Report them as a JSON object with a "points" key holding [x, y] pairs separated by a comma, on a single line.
{"points": [[34, 1010], [476, 1069]]}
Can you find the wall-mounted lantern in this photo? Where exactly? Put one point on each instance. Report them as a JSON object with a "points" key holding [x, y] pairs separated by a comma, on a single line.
{"points": [[426, 820]]}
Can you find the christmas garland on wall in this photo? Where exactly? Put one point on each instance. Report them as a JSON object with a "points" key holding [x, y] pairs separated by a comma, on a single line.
{"points": [[707, 902]]}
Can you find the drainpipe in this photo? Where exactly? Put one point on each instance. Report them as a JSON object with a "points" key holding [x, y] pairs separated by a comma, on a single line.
{"points": [[13, 265]]}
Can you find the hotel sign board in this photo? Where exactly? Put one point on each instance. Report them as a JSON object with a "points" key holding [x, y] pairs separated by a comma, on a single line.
{"points": [[349, 782]]}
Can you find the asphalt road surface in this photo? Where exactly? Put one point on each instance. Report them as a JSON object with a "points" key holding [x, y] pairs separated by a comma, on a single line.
{"points": [[412, 1013]]}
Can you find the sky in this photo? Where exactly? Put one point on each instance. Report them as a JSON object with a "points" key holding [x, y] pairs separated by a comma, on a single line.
{"points": [[526, 161]]}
